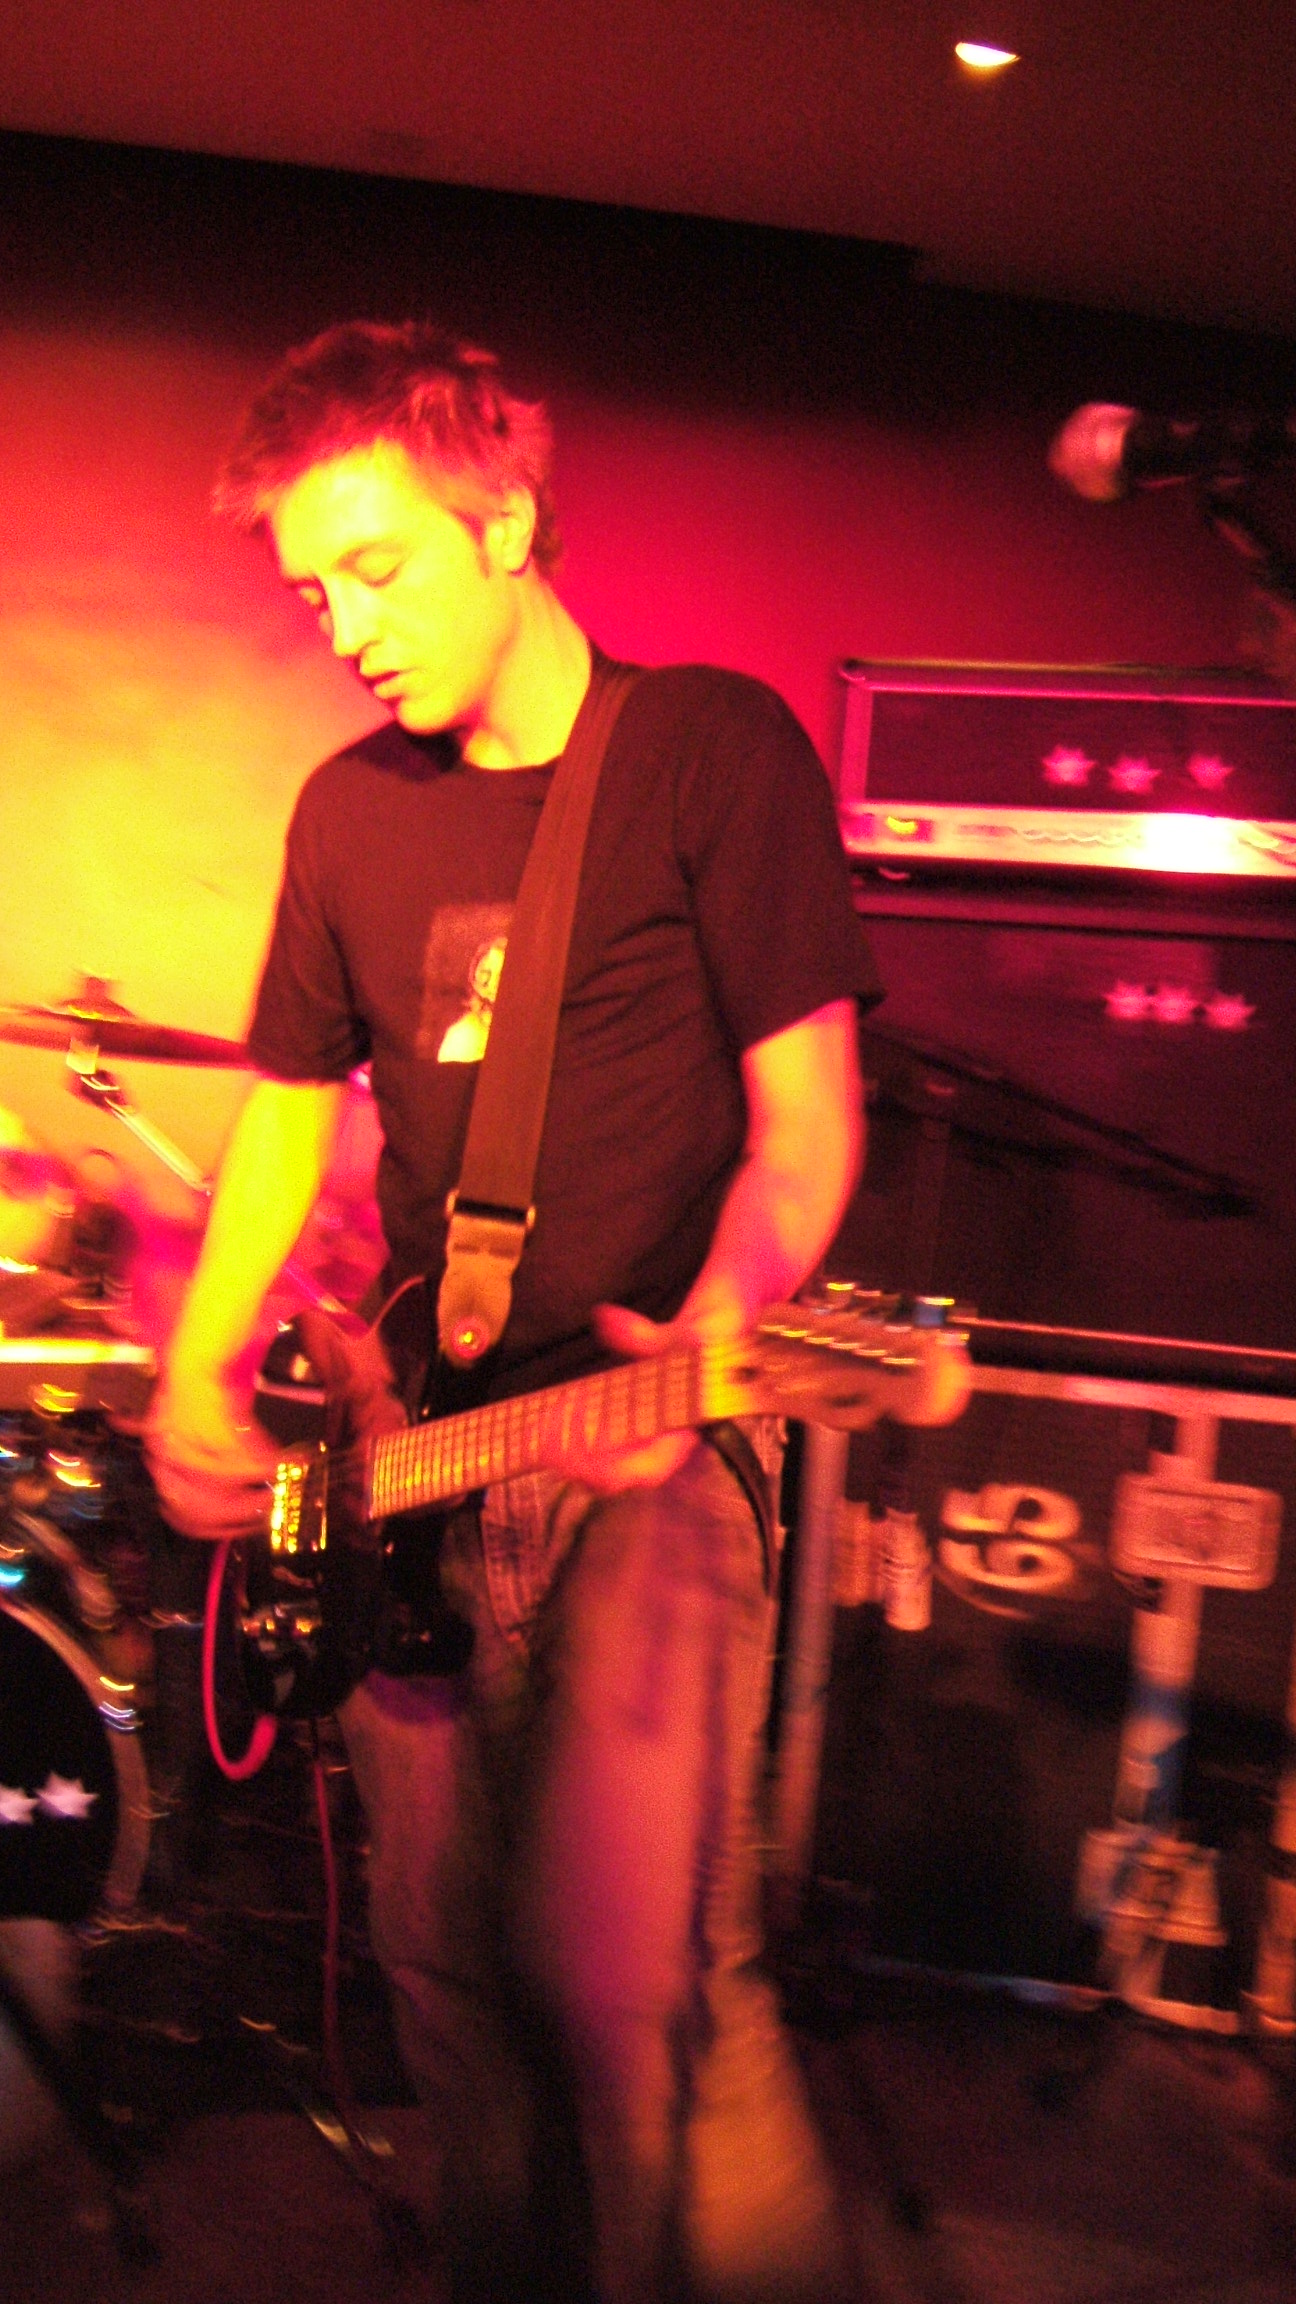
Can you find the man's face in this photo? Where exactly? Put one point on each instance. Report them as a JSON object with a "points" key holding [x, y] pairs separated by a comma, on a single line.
{"points": [[424, 609]]}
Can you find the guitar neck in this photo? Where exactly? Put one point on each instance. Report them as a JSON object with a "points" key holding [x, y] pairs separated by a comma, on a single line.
{"points": [[430, 1463], [833, 1365]]}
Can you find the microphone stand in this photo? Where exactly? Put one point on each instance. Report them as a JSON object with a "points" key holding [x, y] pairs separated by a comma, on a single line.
{"points": [[1272, 568]]}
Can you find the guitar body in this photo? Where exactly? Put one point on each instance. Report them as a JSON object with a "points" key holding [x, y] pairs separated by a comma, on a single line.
{"points": [[353, 1595], [308, 1608], [348, 1577]]}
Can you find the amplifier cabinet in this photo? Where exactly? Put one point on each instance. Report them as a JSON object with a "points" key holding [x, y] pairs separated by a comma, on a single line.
{"points": [[1090, 1127]]}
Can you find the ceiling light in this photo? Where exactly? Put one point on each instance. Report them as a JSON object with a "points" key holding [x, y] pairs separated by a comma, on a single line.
{"points": [[979, 58]]}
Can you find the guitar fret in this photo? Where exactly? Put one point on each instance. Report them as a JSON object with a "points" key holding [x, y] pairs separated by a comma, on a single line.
{"points": [[412, 1456], [643, 1394], [503, 1420], [623, 1406], [677, 1402], [514, 1436], [548, 1423], [591, 1417], [616, 1401]]}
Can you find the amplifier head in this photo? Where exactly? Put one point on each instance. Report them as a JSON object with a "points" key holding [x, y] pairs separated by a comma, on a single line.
{"points": [[1059, 770]]}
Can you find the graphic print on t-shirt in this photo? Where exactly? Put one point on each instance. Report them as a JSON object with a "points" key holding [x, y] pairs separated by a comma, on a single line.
{"points": [[462, 960]]}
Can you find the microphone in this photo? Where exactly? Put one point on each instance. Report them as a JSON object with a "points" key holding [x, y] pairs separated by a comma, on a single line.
{"points": [[1103, 451]]}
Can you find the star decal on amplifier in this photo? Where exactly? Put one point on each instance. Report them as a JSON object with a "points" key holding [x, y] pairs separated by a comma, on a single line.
{"points": [[1209, 772], [1067, 764], [1130, 775]]}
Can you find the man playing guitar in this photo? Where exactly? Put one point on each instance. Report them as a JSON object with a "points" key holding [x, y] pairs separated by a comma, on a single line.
{"points": [[564, 1872]]}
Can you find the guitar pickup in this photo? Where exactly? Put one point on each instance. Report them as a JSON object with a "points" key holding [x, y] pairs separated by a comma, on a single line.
{"points": [[286, 1505]]}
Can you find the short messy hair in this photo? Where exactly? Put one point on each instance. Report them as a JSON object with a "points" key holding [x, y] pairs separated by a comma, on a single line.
{"points": [[439, 399]]}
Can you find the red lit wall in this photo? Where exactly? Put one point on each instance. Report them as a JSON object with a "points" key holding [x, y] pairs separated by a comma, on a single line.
{"points": [[726, 494]]}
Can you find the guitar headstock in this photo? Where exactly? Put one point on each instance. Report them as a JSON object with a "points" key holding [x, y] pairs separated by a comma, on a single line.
{"points": [[848, 1361]]}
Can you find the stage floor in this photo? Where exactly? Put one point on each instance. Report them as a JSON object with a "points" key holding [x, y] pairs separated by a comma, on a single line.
{"points": [[990, 2151]]}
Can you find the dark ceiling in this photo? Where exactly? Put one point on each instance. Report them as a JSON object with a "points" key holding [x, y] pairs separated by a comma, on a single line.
{"points": [[1140, 156]]}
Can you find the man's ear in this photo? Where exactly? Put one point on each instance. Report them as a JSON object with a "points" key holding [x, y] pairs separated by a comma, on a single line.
{"points": [[511, 528]]}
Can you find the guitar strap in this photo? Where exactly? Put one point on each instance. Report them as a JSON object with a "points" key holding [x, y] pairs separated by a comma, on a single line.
{"points": [[491, 1209]]}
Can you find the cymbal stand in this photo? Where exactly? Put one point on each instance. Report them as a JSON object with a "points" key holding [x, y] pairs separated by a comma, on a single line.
{"points": [[90, 1080], [97, 1086]]}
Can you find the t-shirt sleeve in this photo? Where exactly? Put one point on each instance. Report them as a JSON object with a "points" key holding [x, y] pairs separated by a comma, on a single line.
{"points": [[758, 838], [304, 1024]]}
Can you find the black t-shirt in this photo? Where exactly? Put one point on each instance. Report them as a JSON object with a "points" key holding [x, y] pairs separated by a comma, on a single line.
{"points": [[714, 910]]}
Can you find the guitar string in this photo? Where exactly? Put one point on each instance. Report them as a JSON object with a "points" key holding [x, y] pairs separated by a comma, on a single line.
{"points": [[440, 1434]]}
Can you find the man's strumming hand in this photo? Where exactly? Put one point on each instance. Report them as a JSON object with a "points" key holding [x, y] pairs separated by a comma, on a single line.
{"points": [[211, 1469]]}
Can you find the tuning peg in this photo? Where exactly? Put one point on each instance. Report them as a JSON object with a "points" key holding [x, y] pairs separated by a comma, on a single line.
{"points": [[932, 1311]]}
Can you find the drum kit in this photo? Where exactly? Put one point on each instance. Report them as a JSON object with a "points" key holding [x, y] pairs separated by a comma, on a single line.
{"points": [[77, 1620]]}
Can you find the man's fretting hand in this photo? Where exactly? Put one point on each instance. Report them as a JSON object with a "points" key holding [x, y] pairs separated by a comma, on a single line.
{"points": [[717, 1319]]}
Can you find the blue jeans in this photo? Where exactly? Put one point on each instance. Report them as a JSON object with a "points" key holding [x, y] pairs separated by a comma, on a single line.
{"points": [[564, 1879]]}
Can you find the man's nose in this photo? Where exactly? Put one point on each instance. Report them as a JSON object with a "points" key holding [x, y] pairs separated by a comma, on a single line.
{"points": [[348, 620]]}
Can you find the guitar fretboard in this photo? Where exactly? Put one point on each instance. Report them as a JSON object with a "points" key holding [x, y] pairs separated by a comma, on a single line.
{"points": [[430, 1463]]}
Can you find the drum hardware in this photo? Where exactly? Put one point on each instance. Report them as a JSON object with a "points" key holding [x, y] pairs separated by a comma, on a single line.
{"points": [[74, 1804], [37, 1203], [93, 1023], [31, 1538], [70, 2087], [360, 2146], [93, 1020], [73, 1375], [104, 1089], [31, 1297], [58, 1549]]}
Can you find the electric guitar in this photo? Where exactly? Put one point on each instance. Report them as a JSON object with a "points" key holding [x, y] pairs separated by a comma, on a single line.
{"points": [[334, 1586]]}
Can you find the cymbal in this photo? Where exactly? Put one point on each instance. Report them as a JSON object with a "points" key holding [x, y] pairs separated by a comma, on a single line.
{"points": [[113, 1029]]}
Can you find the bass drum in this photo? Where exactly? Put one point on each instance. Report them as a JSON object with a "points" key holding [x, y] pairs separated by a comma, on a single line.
{"points": [[74, 1827], [74, 1810]]}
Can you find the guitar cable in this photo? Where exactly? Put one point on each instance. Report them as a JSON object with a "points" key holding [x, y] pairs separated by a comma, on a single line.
{"points": [[260, 1743], [266, 1726]]}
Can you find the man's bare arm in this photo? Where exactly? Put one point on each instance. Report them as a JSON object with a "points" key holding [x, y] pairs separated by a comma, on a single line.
{"points": [[209, 1473], [802, 1155], [801, 1159]]}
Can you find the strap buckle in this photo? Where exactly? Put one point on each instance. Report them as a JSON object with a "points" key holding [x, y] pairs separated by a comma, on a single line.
{"points": [[484, 1245], [456, 1204]]}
